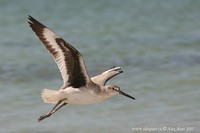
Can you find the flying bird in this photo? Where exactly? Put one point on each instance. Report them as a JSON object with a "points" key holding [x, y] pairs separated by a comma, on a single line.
{"points": [[78, 87]]}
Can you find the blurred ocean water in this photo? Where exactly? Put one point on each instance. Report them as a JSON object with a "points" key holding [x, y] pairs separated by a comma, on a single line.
{"points": [[157, 44]]}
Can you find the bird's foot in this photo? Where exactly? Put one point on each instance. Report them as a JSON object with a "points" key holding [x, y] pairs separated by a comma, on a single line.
{"points": [[42, 117]]}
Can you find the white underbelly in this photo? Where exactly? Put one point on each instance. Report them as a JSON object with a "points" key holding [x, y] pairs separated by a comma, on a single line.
{"points": [[79, 97]]}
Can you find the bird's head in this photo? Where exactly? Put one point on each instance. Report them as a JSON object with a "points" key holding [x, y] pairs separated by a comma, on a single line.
{"points": [[113, 90]]}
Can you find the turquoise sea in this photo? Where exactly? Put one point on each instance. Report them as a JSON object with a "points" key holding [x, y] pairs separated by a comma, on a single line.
{"points": [[155, 42]]}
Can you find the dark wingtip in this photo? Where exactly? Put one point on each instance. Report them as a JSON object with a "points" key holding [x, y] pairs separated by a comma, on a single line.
{"points": [[31, 20], [35, 23], [29, 16]]}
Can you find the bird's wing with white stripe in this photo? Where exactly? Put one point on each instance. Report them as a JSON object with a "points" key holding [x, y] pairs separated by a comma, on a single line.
{"points": [[61, 51]]}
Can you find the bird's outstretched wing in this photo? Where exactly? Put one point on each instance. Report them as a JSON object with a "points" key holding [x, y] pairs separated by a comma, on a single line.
{"points": [[69, 60], [103, 78]]}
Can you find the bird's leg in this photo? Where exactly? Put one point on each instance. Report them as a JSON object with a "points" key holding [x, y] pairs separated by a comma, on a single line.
{"points": [[58, 108], [53, 110]]}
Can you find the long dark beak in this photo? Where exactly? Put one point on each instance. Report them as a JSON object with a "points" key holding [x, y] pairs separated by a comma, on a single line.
{"points": [[127, 95]]}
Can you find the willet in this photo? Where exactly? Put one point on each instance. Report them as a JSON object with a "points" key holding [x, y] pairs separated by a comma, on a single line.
{"points": [[77, 86]]}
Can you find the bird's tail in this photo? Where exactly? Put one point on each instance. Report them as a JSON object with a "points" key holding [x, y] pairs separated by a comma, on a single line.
{"points": [[51, 96]]}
